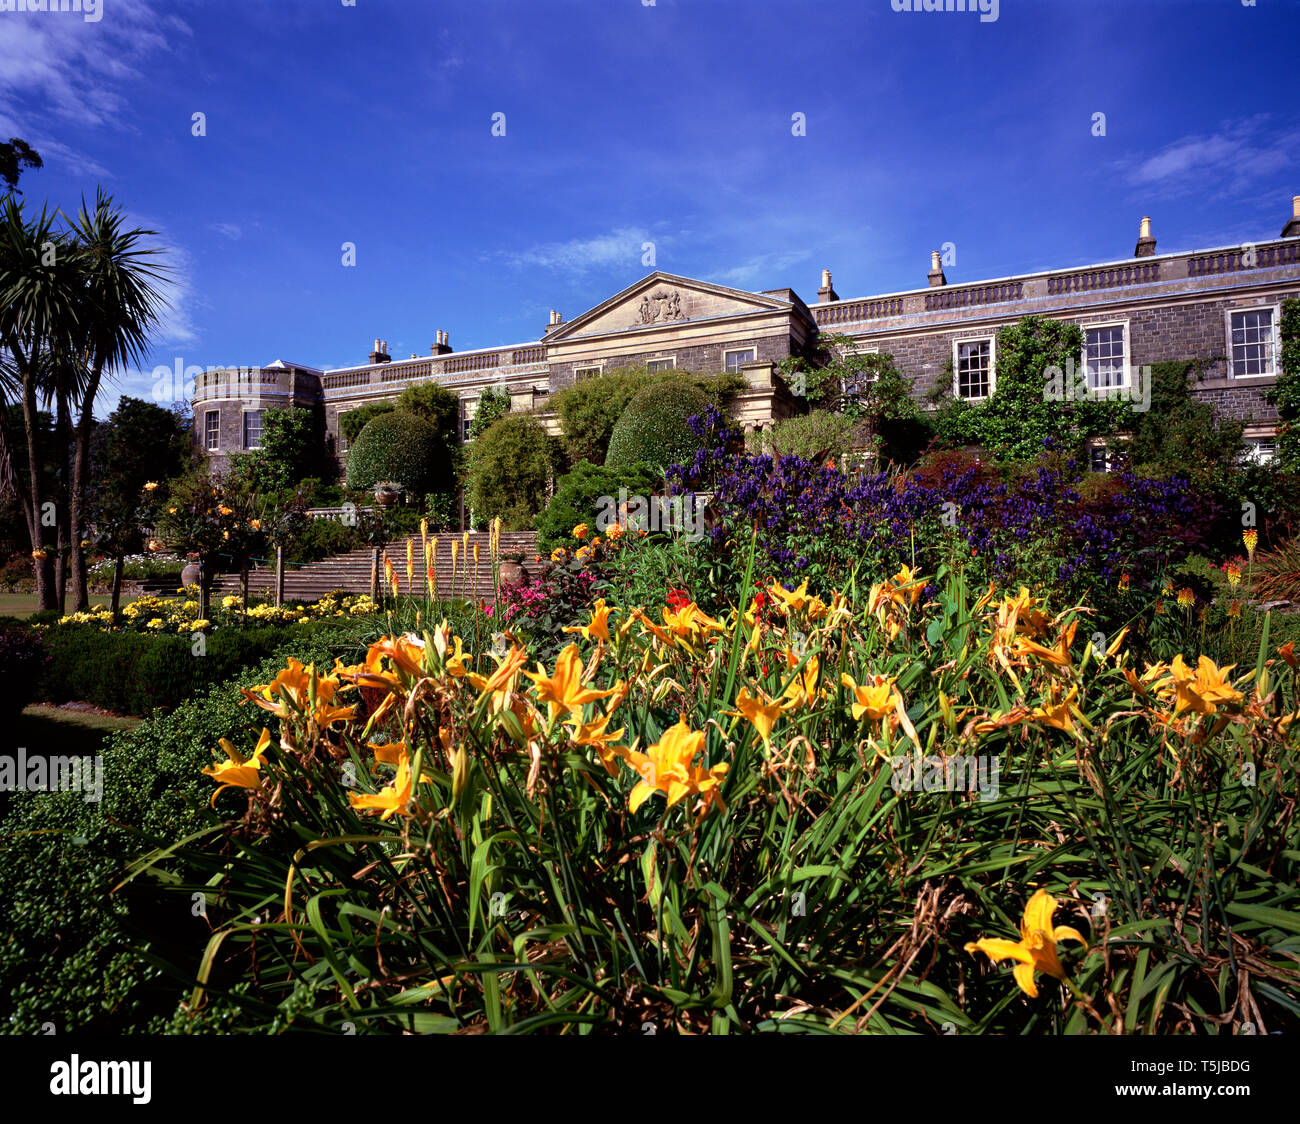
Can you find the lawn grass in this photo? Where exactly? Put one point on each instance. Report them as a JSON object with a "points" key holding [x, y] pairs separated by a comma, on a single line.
{"points": [[54, 728], [24, 604]]}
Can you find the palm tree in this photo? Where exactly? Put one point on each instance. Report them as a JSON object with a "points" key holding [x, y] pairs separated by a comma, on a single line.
{"points": [[38, 323], [119, 308]]}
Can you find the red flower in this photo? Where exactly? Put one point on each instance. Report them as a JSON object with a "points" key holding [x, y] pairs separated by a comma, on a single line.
{"points": [[677, 598]]}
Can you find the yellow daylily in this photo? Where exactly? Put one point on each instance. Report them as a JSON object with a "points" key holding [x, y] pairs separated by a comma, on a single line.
{"points": [[563, 692], [1201, 690], [238, 771], [598, 626], [802, 690], [875, 699], [1036, 949], [760, 710], [787, 601], [667, 767], [396, 796]]}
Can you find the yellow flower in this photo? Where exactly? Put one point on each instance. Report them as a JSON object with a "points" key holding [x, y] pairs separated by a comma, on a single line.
{"points": [[226, 510], [563, 691], [1251, 539], [667, 767], [396, 796], [256, 524], [802, 690], [1186, 598], [238, 771], [598, 626], [1234, 574], [1123, 583], [580, 531], [559, 554], [1202, 690], [151, 485], [875, 699], [40, 555], [789, 602], [615, 532], [1057, 714], [1036, 949], [761, 711]]}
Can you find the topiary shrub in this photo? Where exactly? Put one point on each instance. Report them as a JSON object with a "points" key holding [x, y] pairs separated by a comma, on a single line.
{"points": [[24, 657], [578, 495], [653, 428], [399, 446], [509, 468]]}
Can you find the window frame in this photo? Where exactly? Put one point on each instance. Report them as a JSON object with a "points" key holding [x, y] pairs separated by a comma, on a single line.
{"points": [[261, 414], [992, 341], [338, 426], [214, 444], [728, 351], [1126, 367], [1274, 355], [670, 362], [588, 371]]}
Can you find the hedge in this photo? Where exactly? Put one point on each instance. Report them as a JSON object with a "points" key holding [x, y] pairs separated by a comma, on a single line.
{"points": [[653, 428]]}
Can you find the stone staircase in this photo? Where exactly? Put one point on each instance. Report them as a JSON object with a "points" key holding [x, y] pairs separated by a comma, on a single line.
{"points": [[351, 572]]}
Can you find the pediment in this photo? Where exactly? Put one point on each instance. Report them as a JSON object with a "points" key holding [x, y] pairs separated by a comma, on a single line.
{"points": [[664, 300]]}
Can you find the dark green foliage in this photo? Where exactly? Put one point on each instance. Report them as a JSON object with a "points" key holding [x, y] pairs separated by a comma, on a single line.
{"points": [[1285, 394], [1181, 434], [509, 469], [290, 451], [322, 538], [590, 408], [653, 429], [24, 657], [402, 447], [818, 434], [74, 951], [13, 155], [578, 495], [1015, 421], [134, 673], [353, 422], [492, 404]]}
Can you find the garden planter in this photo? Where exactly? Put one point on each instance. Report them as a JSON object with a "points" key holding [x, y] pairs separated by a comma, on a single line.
{"points": [[190, 575], [513, 573], [385, 499]]}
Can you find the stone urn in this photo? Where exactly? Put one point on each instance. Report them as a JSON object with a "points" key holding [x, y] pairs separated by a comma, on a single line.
{"points": [[513, 571], [385, 497], [190, 575]]}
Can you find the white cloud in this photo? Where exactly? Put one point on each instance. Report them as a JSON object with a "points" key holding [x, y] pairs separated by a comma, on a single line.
{"points": [[58, 66], [619, 247], [230, 230], [1233, 159]]}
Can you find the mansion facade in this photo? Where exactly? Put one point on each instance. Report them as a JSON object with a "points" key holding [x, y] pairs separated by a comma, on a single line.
{"points": [[1218, 306]]}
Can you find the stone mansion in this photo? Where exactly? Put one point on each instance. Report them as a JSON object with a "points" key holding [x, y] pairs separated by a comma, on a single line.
{"points": [[1218, 305]]}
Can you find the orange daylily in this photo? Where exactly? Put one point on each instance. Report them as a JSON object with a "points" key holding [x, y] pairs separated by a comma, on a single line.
{"points": [[667, 767], [1036, 949], [238, 771], [760, 710], [563, 692], [597, 626], [395, 797], [874, 699]]}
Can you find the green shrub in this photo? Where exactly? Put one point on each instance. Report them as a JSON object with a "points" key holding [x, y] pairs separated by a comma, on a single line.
{"points": [[402, 447], [74, 951], [509, 467], [136, 673], [322, 538], [353, 422], [653, 428], [589, 409], [577, 499], [816, 435], [24, 656]]}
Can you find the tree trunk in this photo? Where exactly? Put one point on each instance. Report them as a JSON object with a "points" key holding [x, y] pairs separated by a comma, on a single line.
{"points": [[116, 599], [279, 576], [205, 590], [243, 585], [63, 444], [80, 474], [45, 598]]}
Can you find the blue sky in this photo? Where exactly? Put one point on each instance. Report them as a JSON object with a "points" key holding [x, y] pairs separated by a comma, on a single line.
{"points": [[627, 122]]}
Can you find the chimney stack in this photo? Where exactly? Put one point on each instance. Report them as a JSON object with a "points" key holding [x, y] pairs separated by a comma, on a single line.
{"points": [[1292, 228], [554, 321], [1146, 245], [380, 354], [935, 276], [440, 344], [827, 291]]}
